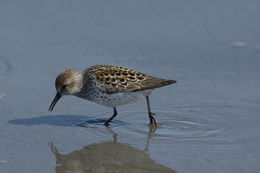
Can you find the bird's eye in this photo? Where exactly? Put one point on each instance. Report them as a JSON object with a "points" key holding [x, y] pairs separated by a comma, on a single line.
{"points": [[63, 87]]}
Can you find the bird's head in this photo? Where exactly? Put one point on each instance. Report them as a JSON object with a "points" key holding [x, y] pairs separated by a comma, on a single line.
{"points": [[67, 83]]}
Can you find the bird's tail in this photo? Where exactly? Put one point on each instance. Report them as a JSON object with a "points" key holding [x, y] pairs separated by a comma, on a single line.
{"points": [[167, 82], [152, 83]]}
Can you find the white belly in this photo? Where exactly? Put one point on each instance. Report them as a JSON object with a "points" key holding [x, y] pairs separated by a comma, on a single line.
{"points": [[118, 99]]}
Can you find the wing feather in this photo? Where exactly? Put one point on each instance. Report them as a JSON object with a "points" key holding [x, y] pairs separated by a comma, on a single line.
{"points": [[120, 79]]}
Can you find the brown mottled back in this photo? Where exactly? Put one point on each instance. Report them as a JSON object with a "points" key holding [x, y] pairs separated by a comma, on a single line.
{"points": [[119, 79]]}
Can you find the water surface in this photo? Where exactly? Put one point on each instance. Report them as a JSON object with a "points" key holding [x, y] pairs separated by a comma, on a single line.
{"points": [[207, 122]]}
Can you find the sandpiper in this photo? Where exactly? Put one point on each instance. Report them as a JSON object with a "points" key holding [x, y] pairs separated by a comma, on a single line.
{"points": [[108, 85]]}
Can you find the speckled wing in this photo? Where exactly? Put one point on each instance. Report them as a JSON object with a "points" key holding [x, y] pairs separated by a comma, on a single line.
{"points": [[113, 79]]}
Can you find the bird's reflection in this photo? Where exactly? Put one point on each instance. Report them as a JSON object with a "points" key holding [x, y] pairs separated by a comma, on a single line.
{"points": [[108, 157], [152, 129]]}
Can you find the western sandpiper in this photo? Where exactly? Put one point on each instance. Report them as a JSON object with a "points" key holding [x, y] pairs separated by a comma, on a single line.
{"points": [[108, 85]]}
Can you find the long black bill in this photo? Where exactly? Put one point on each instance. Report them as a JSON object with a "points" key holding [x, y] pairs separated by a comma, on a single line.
{"points": [[55, 100]]}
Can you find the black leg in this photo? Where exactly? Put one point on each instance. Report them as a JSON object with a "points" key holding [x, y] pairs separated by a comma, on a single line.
{"points": [[152, 120], [114, 115]]}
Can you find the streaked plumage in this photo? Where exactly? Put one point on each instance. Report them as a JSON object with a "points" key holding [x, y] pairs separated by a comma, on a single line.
{"points": [[108, 85]]}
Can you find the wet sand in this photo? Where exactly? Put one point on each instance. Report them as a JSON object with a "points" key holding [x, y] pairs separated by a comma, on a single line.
{"points": [[207, 122]]}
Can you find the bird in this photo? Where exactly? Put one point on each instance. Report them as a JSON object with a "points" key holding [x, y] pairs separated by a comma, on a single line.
{"points": [[108, 85]]}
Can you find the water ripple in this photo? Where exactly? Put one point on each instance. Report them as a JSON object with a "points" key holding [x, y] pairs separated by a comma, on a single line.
{"points": [[219, 124], [96, 122]]}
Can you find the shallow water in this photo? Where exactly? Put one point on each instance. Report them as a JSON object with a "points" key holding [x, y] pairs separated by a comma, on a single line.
{"points": [[207, 122]]}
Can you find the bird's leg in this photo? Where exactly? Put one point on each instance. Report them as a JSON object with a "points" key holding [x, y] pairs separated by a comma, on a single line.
{"points": [[150, 114], [114, 115]]}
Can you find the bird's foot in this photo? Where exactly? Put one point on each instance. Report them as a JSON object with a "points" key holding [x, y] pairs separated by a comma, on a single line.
{"points": [[152, 119], [106, 124]]}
